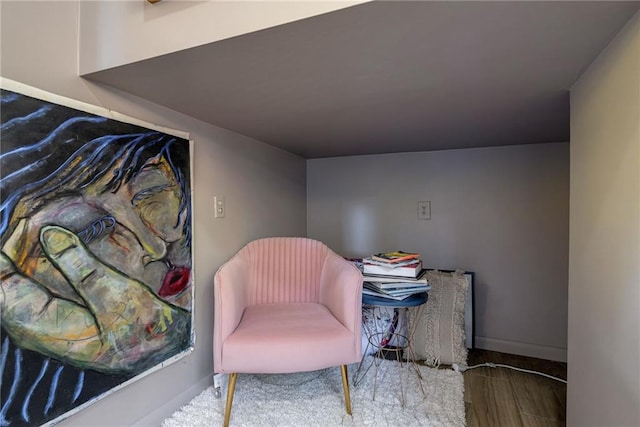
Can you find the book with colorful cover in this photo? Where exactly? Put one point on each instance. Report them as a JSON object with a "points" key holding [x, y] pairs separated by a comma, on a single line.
{"points": [[396, 256]]}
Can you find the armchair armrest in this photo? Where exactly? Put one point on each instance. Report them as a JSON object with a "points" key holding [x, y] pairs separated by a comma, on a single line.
{"points": [[230, 300], [341, 291]]}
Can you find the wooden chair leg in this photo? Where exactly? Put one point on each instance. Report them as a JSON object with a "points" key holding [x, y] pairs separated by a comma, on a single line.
{"points": [[345, 386], [232, 386]]}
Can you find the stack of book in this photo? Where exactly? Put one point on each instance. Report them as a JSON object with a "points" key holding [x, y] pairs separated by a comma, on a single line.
{"points": [[394, 275]]}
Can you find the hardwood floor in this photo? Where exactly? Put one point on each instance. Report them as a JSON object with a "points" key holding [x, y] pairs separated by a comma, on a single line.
{"points": [[505, 397]]}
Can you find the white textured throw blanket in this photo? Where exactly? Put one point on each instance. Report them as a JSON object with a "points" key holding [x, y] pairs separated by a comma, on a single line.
{"points": [[439, 332], [316, 399]]}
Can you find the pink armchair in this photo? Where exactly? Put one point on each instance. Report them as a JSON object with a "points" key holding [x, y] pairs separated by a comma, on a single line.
{"points": [[286, 304]]}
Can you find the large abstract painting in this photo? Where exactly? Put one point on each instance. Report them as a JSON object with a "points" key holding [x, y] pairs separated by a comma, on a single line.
{"points": [[96, 259]]}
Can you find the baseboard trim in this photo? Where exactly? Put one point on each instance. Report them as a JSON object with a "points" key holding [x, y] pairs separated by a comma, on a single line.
{"points": [[167, 409], [522, 349]]}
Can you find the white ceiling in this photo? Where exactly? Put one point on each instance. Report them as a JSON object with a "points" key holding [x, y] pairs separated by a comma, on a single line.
{"points": [[392, 76]]}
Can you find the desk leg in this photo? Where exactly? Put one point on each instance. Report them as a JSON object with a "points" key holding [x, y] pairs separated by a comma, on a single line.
{"points": [[379, 335]]}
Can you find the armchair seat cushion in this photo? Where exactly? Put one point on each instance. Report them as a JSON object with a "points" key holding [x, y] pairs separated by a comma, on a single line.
{"points": [[291, 337]]}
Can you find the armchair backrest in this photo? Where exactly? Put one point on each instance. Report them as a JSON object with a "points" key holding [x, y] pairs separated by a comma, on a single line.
{"points": [[283, 269]]}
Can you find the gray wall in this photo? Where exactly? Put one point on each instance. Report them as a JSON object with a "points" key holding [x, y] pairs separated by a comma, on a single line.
{"points": [[264, 189], [130, 31], [604, 264], [500, 212]]}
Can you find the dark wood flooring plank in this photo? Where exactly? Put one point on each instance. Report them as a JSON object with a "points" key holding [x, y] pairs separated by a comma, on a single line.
{"points": [[506, 397], [492, 402], [533, 421], [536, 395]]}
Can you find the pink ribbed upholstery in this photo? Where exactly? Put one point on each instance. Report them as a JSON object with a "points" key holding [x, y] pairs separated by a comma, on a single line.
{"points": [[286, 304], [285, 270]]}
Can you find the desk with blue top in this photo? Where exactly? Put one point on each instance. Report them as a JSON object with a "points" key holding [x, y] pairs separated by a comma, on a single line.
{"points": [[381, 338]]}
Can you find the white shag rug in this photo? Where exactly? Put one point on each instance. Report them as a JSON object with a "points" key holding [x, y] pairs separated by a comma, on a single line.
{"points": [[316, 399]]}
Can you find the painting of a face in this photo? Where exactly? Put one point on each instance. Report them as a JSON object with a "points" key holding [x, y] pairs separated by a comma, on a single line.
{"points": [[96, 254]]}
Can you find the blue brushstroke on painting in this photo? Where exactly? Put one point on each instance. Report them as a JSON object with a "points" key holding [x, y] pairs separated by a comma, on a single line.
{"points": [[27, 399], [54, 134], [53, 389], [79, 386], [21, 120], [14, 387], [97, 228]]}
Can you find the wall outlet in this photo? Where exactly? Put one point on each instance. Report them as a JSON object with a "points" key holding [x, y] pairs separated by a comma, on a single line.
{"points": [[219, 207], [424, 210]]}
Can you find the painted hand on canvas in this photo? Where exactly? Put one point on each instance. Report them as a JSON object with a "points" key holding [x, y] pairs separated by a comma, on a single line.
{"points": [[95, 263]]}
